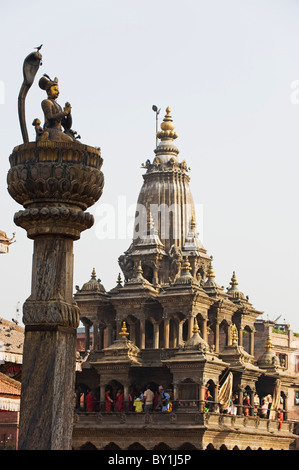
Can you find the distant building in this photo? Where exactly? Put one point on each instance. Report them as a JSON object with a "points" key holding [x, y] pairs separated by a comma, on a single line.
{"points": [[5, 242], [11, 359]]}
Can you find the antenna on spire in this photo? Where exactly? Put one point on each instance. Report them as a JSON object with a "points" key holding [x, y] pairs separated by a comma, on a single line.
{"points": [[157, 111]]}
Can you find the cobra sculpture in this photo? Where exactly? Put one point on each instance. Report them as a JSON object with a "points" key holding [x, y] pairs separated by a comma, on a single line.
{"points": [[30, 68]]}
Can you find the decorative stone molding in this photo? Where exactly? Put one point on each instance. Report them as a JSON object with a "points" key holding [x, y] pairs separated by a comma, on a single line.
{"points": [[51, 311], [64, 221], [43, 174]]}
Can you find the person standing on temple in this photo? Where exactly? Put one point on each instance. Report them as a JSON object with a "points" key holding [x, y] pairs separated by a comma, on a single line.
{"points": [[148, 399], [163, 400], [264, 409], [108, 401], [246, 405], [90, 402], [131, 399], [119, 400], [138, 403]]}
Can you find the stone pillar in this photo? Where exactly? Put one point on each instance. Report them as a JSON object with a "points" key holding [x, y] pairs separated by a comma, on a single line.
{"points": [[285, 407], [55, 182], [216, 395], [180, 333], [156, 335], [109, 335], [201, 396], [96, 336], [240, 332], [142, 333], [175, 391], [166, 332], [190, 326], [204, 329], [87, 336], [240, 407], [251, 398], [102, 396], [251, 343], [175, 334], [229, 335], [217, 337], [101, 337], [126, 396]]}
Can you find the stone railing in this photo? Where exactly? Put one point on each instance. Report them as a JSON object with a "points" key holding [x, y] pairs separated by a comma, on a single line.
{"points": [[179, 419]]}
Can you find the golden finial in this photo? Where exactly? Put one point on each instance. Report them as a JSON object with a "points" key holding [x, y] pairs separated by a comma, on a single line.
{"points": [[93, 274], [268, 343], [167, 127], [139, 268], [123, 333], [211, 274], [119, 279], [234, 281], [186, 266], [235, 335], [195, 327]]}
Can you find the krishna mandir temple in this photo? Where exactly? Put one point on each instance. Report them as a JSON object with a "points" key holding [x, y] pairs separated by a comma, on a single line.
{"points": [[171, 324]]}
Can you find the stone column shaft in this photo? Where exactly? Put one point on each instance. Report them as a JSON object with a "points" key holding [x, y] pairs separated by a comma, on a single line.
{"points": [[166, 332], [50, 319], [156, 336]]}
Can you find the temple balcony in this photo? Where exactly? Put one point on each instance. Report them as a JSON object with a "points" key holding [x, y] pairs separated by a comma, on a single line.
{"points": [[201, 430]]}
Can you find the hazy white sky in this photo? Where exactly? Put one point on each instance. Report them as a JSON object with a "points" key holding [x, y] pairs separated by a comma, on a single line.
{"points": [[226, 69]]}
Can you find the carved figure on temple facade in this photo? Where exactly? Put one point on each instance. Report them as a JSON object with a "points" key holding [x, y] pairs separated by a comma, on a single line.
{"points": [[127, 266], [176, 257]]}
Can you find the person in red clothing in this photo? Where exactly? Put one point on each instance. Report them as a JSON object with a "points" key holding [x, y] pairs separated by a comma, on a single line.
{"points": [[280, 418], [155, 402], [90, 402], [108, 401], [246, 406], [119, 401]]}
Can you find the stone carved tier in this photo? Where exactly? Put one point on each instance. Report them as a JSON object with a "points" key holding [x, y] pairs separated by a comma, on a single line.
{"points": [[55, 182]]}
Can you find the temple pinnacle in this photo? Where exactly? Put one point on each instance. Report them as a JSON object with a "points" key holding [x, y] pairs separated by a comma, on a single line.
{"points": [[167, 126], [210, 274], [234, 281], [124, 333]]}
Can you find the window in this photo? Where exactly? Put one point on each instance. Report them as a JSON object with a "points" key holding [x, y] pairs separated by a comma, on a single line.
{"points": [[297, 397], [283, 360]]}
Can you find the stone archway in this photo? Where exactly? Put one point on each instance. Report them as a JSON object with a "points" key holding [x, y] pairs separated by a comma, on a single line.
{"points": [[136, 446], [111, 446], [88, 446], [187, 446], [161, 446]]}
